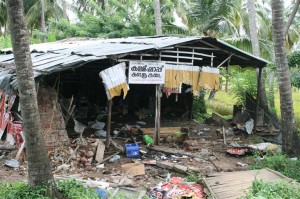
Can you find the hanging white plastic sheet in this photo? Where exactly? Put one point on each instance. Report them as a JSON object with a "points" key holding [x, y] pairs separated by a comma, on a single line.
{"points": [[114, 80]]}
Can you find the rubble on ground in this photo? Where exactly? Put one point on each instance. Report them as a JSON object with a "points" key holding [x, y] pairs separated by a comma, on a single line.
{"points": [[132, 163]]}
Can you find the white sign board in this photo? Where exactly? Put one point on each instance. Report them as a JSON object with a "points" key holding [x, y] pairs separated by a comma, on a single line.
{"points": [[146, 72]]}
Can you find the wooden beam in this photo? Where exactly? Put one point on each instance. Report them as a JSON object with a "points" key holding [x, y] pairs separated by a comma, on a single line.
{"points": [[109, 104], [220, 120], [157, 115]]}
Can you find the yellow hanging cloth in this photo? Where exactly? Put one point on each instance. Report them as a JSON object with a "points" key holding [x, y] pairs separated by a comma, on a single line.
{"points": [[209, 78], [175, 75]]}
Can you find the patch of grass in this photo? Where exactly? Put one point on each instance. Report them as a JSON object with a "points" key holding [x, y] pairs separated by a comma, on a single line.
{"points": [[222, 104], [276, 190], [296, 100], [281, 163], [192, 177], [71, 189], [21, 190]]}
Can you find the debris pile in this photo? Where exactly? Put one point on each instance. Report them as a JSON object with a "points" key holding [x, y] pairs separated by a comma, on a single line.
{"points": [[176, 187]]}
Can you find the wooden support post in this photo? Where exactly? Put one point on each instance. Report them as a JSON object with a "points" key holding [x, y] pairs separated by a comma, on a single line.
{"points": [[109, 104], [157, 115], [226, 79], [257, 99]]}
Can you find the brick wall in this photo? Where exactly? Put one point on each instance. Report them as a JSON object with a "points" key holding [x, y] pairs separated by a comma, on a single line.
{"points": [[52, 119]]}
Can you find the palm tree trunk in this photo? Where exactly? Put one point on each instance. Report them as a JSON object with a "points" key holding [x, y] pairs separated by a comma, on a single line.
{"points": [[64, 8], [285, 90], [157, 86], [255, 48], [39, 171], [43, 23], [271, 77], [157, 15]]}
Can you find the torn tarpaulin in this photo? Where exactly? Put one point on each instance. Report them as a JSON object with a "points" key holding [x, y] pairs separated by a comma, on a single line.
{"points": [[6, 103], [240, 151], [177, 188], [114, 80]]}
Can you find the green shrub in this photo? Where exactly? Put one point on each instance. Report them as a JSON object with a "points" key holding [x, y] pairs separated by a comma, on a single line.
{"points": [[281, 163], [192, 177], [21, 190], [276, 190], [199, 103], [70, 189], [242, 82], [73, 189]]}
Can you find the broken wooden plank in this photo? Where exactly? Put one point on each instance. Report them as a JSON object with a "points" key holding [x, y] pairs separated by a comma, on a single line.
{"points": [[107, 158], [7, 147], [164, 131], [20, 151], [236, 184], [172, 152], [220, 120], [100, 151]]}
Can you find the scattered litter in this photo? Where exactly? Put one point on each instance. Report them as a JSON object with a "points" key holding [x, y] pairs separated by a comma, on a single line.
{"points": [[176, 187], [100, 166], [116, 133], [240, 151], [241, 164], [149, 162], [141, 123], [64, 167], [100, 133], [103, 185], [294, 159], [200, 133], [143, 151], [266, 146], [114, 158], [249, 126], [148, 140], [98, 125], [12, 163]]}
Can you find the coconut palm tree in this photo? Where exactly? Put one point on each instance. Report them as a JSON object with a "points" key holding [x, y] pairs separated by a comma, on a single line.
{"points": [[3, 15], [289, 137], [52, 9], [39, 171]]}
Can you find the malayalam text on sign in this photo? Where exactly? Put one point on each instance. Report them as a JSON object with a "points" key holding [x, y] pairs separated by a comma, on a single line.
{"points": [[146, 72]]}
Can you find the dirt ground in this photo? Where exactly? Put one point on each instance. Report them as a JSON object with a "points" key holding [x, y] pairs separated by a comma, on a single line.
{"points": [[203, 142]]}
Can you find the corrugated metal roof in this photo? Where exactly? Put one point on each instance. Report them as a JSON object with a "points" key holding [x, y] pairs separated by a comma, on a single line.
{"points": [[75, 52]]}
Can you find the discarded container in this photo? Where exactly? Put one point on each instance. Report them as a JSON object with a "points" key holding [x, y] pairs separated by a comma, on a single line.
{"points": [[12, 163], [132, 150], [148, 139], [114, 158], [102, 193]]}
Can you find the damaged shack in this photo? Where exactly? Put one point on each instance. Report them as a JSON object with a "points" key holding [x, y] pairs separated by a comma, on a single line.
{"points": [[71, 92], [130, 93]]}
